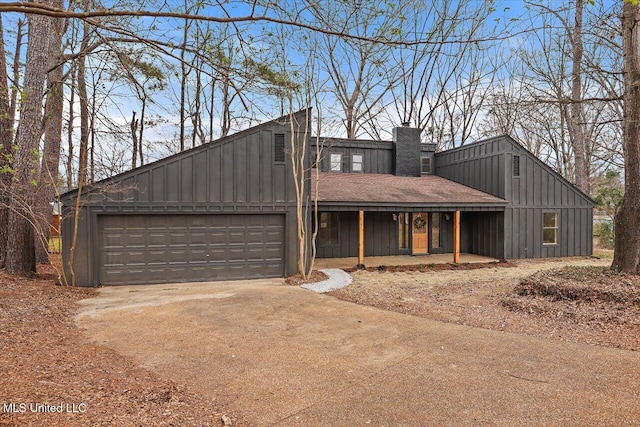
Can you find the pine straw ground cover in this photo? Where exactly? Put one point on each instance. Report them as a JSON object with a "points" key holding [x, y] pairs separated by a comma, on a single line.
{"points": [[44, 359], [583, 302], [593, 298]]}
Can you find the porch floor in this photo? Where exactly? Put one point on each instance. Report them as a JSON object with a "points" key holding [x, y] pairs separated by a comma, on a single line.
{"points": [[375, 261]]}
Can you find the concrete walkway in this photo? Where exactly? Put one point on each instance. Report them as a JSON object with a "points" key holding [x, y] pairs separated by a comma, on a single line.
{"points": [[284, 356], [336, 279]]}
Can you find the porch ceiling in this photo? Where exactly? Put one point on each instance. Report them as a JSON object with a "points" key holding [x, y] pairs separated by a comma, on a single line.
{"points": [[384, 191]]}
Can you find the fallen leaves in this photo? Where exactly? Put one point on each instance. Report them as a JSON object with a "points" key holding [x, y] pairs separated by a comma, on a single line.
{"points": [[45, 359]]}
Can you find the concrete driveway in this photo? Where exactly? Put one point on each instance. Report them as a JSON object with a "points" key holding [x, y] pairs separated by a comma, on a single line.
{"points": [[284, 356]]}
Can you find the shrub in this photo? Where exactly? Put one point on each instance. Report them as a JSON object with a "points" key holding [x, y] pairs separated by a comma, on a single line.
{"points": [[604, 231]]}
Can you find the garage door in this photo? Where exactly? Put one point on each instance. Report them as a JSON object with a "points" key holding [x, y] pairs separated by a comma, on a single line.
{"points": [[136, 249]]}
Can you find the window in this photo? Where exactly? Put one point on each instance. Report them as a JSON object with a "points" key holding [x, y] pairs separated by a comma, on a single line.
{"points": [[550, 228], [426, 165], [329, 226], [435, 230], [314, 159], [278, 147], [356, 163], [516, 166], [336, 162], [403, 230]]}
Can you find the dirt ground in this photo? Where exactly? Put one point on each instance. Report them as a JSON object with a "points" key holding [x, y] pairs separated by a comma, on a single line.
{"points": [[487, 298], [286, 356], [45, 359]]}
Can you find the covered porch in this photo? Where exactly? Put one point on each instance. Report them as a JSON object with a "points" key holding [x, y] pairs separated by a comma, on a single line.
{"points": [[376, 219], [376, 261]]}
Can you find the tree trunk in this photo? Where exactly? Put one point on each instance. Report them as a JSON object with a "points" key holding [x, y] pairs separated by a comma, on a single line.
{"points": [[134, 139], [72, 102], [626, 256], [6, 144], [141, 129], [84, 105], [20, 251], [576, 120], [49, 175]]}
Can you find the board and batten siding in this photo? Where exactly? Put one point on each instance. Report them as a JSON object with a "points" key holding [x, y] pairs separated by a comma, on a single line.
{"points": [[377, 156], [488, 166], [235, 174], [380, 236]]}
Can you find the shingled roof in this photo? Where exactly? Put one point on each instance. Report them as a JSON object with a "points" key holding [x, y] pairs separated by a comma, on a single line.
{"points": [[351, 189]]}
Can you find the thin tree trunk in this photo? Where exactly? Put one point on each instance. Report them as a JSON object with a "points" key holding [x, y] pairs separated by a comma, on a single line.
{"points": [[20, 249], [134, 139], [16, 69], [70, 127], [48, 181], [84, 105], [141, 129], [576, 118], [92, 132], [183, 77], [6, 145], [626, 256]]}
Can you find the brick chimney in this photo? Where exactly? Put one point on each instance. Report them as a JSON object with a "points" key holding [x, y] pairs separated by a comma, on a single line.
{"points": [[406, 151]]}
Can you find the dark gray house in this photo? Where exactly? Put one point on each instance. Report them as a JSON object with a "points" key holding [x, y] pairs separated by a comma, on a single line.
{"points": [[226, 210]]}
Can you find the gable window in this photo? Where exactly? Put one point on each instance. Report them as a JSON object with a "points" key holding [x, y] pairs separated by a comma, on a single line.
{"points": [[425, 165], [329, 229], [550, 228], [336, 162], [516, 166], [356, 163], [278, 147]]}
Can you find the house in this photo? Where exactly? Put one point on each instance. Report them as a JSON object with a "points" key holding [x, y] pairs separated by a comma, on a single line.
{"points": [[227, 210]]}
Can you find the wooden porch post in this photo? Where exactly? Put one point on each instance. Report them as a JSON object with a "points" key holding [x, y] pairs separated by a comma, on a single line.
{"points": [[456, 237], [360, 238]]}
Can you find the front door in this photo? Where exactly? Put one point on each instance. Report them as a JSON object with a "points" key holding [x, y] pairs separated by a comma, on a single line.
{"points": [[420, 240]]}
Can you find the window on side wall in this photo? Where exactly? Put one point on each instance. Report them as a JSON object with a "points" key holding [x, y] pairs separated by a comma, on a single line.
{"points": [[550, 228], [356, 163], [335, 162], [425, 165], [278, 148], [516, 166], [329, 229]]}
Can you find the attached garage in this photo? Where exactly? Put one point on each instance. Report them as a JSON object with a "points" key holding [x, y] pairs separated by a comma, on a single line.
{"points": [[136, 249], [224, 210]]}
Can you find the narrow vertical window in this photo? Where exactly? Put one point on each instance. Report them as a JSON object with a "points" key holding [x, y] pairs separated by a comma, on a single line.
{"points": [[550, 228], [329, 229], [356, 163], [516, 166], [403, 230], [426, 165], [278, 147], [435, 230], [336, 162]]}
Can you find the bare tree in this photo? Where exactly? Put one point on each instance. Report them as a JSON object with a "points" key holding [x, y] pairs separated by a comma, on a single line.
{"points": [[6, 139], [48, 180], [20, 249], [359, 69], [576, 116], [444, 82], [626, 256]]}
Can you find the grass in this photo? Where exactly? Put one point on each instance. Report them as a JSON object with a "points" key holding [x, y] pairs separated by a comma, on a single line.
{"points": [[55, 245]]}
